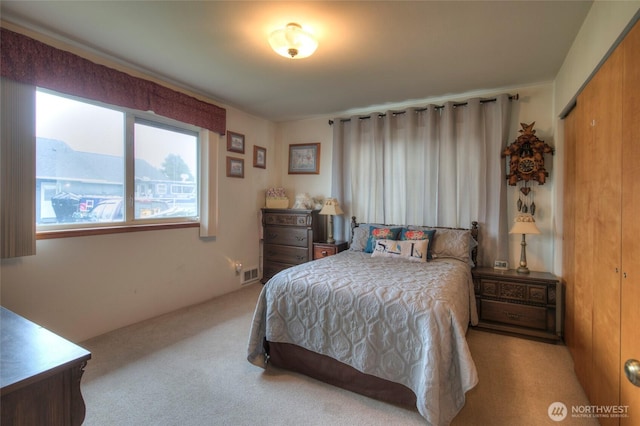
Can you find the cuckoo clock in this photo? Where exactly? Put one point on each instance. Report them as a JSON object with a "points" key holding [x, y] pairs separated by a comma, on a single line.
{"points": [[526, 165]]}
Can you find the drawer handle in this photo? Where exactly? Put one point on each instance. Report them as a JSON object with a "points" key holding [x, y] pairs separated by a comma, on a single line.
{"points": [[300, 257], [324, 253], [511, 315], [301, 238], [272, 235]]}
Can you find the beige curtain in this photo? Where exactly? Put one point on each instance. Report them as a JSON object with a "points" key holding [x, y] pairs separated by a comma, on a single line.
{"points": [[18, 162], [438, 166]]}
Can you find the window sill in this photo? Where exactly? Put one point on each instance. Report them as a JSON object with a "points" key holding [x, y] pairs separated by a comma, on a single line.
{"points": [[84, 232]]}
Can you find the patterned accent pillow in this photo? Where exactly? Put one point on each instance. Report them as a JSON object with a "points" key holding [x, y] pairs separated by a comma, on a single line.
{"points": [[380, 233], [419, 234], [413, 250]]}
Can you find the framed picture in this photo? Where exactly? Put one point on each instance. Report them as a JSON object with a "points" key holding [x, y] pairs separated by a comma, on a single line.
{"points": [[235, 142], [259, 157], [304, 159], [235, 167]]}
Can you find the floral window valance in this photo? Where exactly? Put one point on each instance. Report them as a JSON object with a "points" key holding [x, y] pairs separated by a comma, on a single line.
{"points": [[32, 62]]}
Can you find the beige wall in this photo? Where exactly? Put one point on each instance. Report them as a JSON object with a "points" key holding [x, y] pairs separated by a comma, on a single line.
{"points": [[306, 131], [82, 287]]}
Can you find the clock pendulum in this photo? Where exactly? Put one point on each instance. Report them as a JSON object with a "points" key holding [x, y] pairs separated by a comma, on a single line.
{"points": [[525, 199]]}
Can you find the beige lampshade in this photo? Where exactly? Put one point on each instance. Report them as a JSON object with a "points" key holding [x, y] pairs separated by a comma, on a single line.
{"points": [[331, 207], [524, 224]]}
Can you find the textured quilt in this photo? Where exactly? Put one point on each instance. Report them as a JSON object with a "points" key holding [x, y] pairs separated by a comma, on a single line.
{"points": [[395, 319]]}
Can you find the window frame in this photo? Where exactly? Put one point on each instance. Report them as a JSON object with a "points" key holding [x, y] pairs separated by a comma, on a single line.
{"points": [[131, 224]]}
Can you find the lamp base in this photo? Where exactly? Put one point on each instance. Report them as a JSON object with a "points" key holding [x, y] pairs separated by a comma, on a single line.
{"points": [[330, 238], [522, 269]]}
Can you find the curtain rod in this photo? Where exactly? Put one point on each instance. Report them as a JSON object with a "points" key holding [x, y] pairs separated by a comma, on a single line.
{"points": [[459, 104]]}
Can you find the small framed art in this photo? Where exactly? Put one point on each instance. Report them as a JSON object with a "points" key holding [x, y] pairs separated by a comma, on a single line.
{"points": [[259, 157], [235, 142], [235, 167], [304, 158]]}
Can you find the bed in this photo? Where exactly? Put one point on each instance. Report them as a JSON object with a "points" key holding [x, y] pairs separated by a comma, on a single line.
{"points": [[377, 319]]}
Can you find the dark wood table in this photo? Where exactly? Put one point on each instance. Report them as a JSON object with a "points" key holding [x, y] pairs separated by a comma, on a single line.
{"points": [[40, 375]]}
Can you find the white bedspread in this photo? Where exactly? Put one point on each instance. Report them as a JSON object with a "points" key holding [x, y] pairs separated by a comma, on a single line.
{"points": [[395, 319]]}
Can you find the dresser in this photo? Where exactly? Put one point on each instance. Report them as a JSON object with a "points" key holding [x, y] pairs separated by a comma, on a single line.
{"points": [[288, 238], [40, 375], [528, 305]]}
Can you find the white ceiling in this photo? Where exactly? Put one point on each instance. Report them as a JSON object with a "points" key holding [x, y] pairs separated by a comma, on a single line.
{"points": [[371, 53]]}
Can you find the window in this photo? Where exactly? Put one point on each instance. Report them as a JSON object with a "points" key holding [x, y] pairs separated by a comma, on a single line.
{"points": [[107, 166]]}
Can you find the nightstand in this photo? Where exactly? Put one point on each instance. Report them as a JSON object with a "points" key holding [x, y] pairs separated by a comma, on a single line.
{"points": [[527, 305], [322, 249]]}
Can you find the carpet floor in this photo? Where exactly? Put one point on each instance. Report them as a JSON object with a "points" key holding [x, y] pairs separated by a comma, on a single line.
{"points": [[189, 367]]}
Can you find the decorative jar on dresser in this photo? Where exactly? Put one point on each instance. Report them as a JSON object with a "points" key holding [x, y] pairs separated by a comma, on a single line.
{"points": [[288, 236], [529, 305]]}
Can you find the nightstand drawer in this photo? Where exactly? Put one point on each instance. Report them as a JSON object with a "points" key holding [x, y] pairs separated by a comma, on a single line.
{"points": [[286, 236], [324, 251], [286, 254], [515, 291], [508, 313]]}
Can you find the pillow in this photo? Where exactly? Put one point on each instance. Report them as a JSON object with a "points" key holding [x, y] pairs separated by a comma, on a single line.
{"points": [[360, 238], [453, 243], [380, 233], [419, 234], [413, 250]]}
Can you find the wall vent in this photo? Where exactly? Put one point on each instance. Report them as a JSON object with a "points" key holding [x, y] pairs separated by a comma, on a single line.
{"points": [[249, 275]]}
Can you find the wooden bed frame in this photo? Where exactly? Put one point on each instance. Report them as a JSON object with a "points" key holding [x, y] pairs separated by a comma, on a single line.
{"points": [[326, 369]]}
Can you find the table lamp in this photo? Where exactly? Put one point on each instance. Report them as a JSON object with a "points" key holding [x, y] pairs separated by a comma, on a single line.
{"points": [[331, 208], [524, 224]]}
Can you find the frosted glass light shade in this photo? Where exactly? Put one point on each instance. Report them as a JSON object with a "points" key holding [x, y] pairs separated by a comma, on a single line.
{"points": [[293, 42]]}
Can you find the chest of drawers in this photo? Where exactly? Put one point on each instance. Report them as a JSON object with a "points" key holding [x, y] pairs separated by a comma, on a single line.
{"points": [[40, 375], [288, 238], [529, 305]]}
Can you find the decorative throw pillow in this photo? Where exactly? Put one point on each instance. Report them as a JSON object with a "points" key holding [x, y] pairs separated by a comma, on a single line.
{"points": [[419, 234], [413, 250], [380, 233]]}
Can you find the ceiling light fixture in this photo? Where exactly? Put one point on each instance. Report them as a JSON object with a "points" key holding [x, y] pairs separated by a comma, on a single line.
{"points": [[293, 42]]}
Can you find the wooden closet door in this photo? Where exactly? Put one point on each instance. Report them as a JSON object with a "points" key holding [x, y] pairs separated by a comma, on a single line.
{"points": [[600, 216], [630, 308], [568, 228], [585, 241]]}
